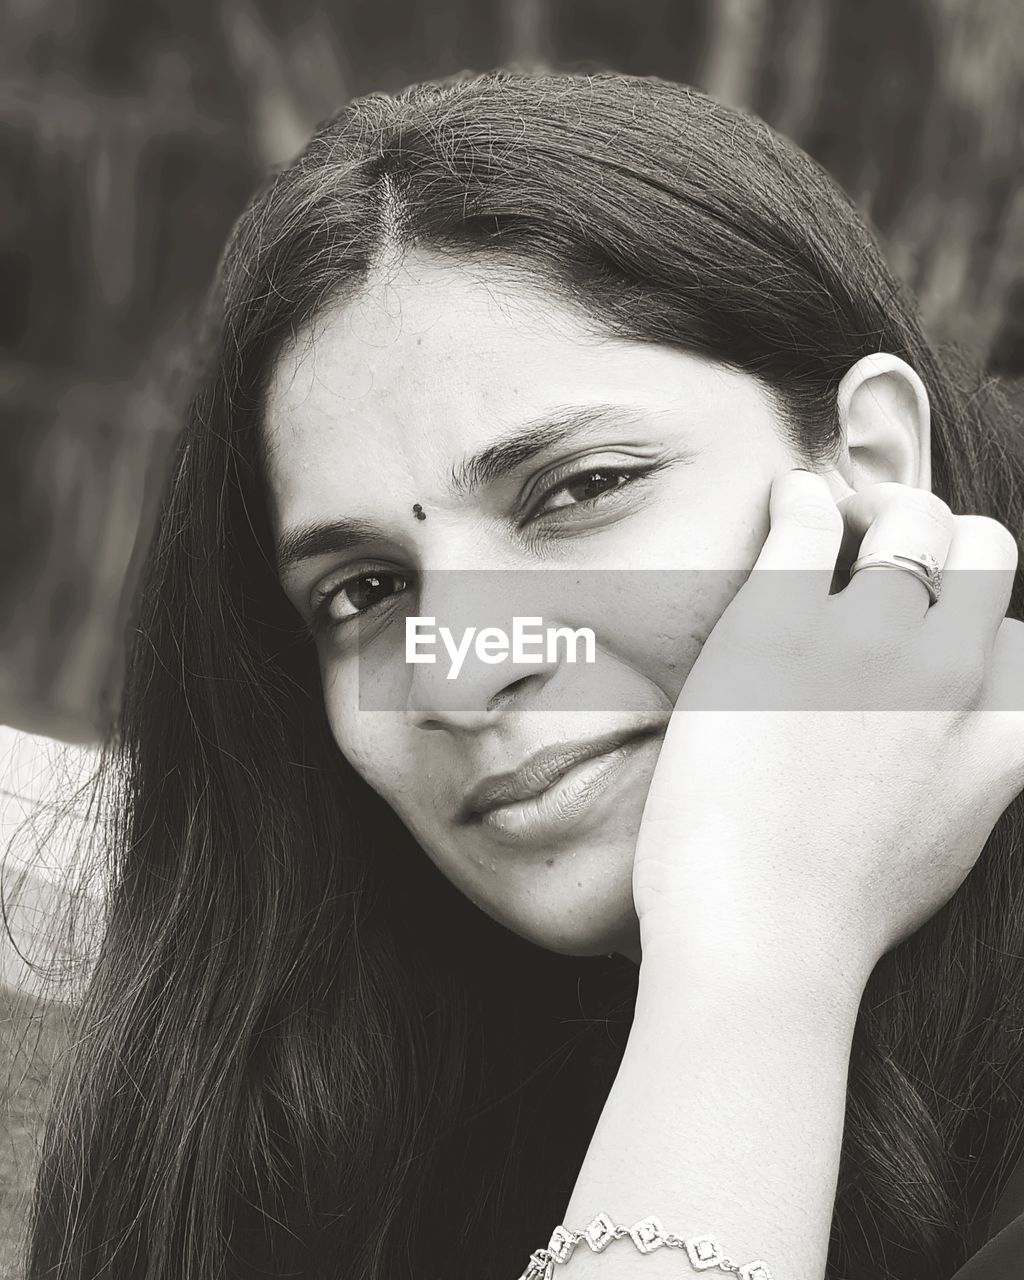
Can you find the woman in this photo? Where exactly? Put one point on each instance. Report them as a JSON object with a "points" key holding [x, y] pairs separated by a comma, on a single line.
{"points": [[374, 969]]}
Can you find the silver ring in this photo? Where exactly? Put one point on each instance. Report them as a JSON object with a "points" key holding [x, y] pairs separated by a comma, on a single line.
{"points": [[924, 567]]}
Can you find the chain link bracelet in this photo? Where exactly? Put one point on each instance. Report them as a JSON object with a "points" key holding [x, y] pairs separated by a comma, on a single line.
{"points": [[648, 1234]]}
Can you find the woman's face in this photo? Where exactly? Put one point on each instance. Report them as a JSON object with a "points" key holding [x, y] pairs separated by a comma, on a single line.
{"points": [[629, 457]]}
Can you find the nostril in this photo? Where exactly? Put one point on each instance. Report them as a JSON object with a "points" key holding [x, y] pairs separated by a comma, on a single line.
{"points": [[510, 690]]}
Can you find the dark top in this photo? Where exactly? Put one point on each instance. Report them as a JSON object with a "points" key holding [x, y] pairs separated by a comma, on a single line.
{"points": [[1001, 1257]]}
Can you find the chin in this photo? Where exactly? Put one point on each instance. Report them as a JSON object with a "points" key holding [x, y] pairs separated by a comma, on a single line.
{"points": [[585, 932]]}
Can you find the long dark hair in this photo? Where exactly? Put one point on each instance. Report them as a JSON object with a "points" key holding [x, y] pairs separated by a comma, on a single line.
{"points": [[301, 1051]]}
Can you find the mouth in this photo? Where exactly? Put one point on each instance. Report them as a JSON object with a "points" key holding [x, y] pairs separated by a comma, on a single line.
{"points": [[555, 787]]}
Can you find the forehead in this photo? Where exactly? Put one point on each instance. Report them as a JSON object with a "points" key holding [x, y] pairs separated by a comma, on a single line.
{"points": [[370, 405], [423, 340]]}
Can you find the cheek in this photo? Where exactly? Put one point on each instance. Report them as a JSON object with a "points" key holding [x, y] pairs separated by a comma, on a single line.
{"points": [[672, 610], [659, 627], [362, 736], [376, 755], [374, 743]]}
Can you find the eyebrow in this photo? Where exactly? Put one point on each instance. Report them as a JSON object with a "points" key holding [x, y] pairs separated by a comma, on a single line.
{"points": [[493, 462]]}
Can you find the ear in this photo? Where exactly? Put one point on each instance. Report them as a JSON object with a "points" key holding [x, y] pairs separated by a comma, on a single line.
{"points": [[886, 421]]}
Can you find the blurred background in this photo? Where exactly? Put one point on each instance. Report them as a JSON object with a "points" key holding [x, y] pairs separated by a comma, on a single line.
{"points": [[132, 133]]}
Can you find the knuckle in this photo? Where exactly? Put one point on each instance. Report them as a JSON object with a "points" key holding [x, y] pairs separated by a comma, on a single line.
{"points": [[968, 668], [991, 532], [956, 676], [816, 517], [970, 660], [932, 507], [921, 500], [905, 662]]}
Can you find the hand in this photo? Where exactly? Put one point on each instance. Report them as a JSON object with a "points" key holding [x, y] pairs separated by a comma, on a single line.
{"points": [[870, 744]]}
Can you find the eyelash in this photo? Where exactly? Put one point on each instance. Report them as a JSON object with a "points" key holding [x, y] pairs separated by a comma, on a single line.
{"points": [[631, 474], [321, 618]]}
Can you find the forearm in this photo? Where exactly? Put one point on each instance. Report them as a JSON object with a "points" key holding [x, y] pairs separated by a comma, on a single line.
{"points": [[726, 1117]]}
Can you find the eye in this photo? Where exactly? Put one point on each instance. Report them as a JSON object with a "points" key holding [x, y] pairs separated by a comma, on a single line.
{"points": [[588, 486], [355, 596]]}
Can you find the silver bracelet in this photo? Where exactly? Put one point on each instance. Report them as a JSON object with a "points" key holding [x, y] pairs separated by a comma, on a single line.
{"points": [[648, 1234]]}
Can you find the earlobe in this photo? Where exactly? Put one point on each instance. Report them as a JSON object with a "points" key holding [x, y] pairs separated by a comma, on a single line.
{"points": [[885, 416]]}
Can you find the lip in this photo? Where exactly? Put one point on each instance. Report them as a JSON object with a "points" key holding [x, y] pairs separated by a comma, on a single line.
{"points": [[552, 787]]}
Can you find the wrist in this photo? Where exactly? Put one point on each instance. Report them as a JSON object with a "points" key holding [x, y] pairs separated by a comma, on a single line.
{"points": [[753, 976]]}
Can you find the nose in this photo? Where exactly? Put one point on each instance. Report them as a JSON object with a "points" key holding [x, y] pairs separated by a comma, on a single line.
{"points": [[487, 648]]}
